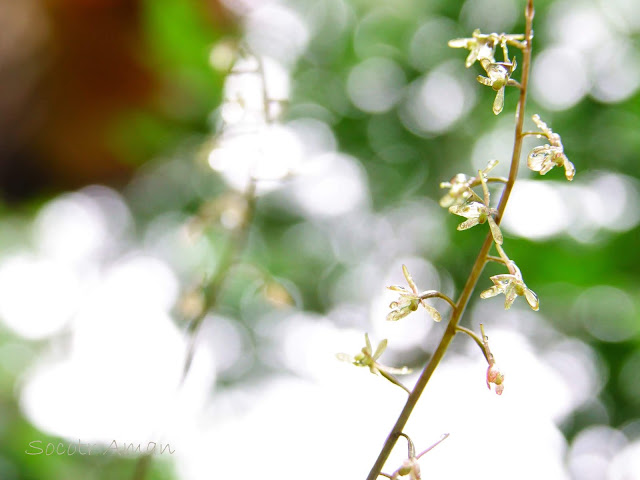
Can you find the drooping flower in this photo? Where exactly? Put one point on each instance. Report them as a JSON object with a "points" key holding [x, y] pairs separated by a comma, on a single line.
{"points": [[512, 286], [545, 157], [495, 376], [499, 76]]}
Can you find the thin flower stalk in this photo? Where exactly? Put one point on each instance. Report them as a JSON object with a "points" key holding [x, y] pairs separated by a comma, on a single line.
{"points": [[478, 266]]}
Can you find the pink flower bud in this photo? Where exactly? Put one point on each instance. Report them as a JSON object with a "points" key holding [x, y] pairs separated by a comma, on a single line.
{"points": [[495, 376]]}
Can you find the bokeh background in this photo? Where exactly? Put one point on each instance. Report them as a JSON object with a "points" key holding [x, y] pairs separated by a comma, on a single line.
{"points": [[125, 149]]}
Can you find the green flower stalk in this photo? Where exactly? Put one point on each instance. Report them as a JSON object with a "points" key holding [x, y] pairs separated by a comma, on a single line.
{"points": [[462, 200]]}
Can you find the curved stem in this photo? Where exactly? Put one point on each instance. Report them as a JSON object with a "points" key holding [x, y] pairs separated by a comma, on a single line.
{"points": [[411, 450], [535, 134], [436, 294], [475, 338], [478, 265]]}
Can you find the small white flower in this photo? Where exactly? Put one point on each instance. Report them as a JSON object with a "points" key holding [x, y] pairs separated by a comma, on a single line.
{"points": [[512, 286], [409, 301], [480, 46], [476, 213], [499, 77], [483, 46], [367, 358], [544, 158], [459, 190]]}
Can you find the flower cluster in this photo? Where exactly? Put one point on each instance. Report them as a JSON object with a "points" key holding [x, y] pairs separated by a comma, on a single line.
{"points": [[482, 47], [544, 158]]}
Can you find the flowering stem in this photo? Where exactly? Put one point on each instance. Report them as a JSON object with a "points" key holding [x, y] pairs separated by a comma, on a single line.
{"points": [[478, 266]]}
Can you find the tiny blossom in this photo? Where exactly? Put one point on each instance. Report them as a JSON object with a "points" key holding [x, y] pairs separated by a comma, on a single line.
{"points": [[483, 46], [495, 376], [459, 190], [512, 286], [460, 187], [476, 213], [545, 157], [367, 358], [409, 301], [480, 47], [410, 466], [499, 77]]}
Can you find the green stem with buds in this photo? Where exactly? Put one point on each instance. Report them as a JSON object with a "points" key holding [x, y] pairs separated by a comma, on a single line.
{"points": [[478, 266]]}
